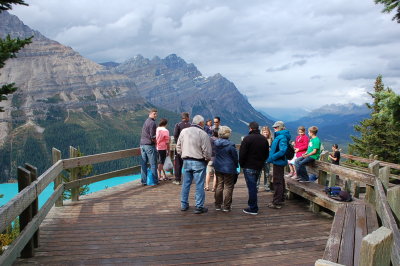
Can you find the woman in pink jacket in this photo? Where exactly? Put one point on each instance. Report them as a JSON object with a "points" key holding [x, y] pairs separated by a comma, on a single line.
{"points": [[162, 139], [300, 147]]}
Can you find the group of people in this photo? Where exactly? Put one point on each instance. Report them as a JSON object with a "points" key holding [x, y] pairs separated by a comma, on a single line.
{"points": [[203, 150]]}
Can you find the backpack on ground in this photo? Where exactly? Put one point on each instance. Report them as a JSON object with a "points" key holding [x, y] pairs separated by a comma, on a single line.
{"points": [[332, 191], [338, 194]]}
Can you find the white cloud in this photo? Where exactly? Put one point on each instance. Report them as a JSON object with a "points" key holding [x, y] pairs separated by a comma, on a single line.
{"points": [[307, 53]]}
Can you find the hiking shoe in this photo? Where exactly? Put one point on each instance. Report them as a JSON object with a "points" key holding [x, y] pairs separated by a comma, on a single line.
{"points": [[201, 210], [185, 208], [274, 206], [248, 211], [176, 182]]}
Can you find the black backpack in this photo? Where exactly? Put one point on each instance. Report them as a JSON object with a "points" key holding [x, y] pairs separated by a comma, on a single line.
{"points": [[289, 154]]}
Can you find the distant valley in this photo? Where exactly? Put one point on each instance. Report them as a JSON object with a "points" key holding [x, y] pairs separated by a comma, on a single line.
{"points": [[335, 122]]}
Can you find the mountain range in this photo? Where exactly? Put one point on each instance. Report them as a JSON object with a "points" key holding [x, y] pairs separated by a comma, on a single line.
{"points": [[335, 122], [66, 99]]}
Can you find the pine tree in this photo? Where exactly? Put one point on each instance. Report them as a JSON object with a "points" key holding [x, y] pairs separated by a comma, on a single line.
{"points": [[81, 172], [389, 6], [8, 49], [379, 134]]}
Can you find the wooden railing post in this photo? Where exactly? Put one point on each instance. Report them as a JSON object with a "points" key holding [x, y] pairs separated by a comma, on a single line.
{"points": [[56, 154], [370, 192], [73, 175], [376, 248], [24, 180], [384, 174], [322, 176], [331, 179], [393, 197], [356, 189], [35, 203]]}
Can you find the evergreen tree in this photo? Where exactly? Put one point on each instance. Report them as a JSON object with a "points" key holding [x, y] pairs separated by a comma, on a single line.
{"points": [[8, 49], [379, 134], [81, 172], [389, 6]]}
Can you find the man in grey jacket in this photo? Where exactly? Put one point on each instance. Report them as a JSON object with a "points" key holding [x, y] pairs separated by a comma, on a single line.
{"points": [[194, 146]]}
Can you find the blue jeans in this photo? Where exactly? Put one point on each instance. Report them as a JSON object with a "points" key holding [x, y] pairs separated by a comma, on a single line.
{"points": [[148, 154], [251, 177], [300, 165], [265, 169], [193, 170]]}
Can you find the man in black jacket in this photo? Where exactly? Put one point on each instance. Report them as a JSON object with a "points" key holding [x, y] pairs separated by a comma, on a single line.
{"points": [[178, 162], [254, 150]]}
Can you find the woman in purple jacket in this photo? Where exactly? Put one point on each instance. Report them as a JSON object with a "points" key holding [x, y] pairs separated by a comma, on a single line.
{"points": [[225, 165]]}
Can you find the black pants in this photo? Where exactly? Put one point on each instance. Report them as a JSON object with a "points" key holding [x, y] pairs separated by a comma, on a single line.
{"points": [[279, 184], [178, 163]]}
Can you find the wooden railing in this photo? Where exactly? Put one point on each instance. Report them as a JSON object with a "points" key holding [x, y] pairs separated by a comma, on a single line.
{"points": [[369, 160], [381, 194], [23, 202]]}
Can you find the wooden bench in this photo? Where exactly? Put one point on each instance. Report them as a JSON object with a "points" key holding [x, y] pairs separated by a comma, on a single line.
{"points": [[351, 223], [314, 192]]}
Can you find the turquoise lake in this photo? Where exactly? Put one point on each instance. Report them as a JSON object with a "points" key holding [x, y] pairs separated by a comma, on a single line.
{"points": [[11, 189]]}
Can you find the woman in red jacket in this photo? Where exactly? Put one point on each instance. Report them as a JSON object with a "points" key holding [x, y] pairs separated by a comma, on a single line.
{"points": [[300, 147]]}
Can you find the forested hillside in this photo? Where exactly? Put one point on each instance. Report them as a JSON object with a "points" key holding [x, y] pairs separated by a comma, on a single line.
{"points": [[32, 143]]}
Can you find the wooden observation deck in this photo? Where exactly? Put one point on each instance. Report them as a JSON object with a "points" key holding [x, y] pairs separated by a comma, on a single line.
{"points": [[135, 225], [131, 224]]}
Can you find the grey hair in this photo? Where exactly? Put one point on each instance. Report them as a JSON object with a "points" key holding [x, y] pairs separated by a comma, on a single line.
{"points": [[224, 132], [198, 119]]}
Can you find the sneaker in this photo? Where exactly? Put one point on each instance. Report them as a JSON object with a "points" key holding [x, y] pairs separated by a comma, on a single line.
{"points": [[201, 210], [268, 189], [304, 181], [176, 182], [144, 184], [185, 208], [217, 208], [248, 211], [226, 209], [274, 206]]}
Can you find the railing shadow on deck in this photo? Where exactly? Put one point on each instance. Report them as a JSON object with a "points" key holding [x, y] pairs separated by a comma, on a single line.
{"points": [[379, 193]]}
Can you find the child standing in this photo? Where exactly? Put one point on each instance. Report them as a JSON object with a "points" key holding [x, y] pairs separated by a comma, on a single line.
{"points": [[312, 154], [300, 147], [335, 155]]}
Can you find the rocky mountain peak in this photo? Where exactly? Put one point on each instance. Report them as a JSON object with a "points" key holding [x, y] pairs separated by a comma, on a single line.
{"points": [[341, 109], [12, 25], [173, 61]]}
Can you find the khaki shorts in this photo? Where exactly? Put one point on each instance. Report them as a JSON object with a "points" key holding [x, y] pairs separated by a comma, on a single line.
{"points": [[210, 168]]}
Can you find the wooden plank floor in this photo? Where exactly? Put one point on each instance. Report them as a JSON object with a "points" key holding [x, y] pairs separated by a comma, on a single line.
{"points": [[135, 225]]}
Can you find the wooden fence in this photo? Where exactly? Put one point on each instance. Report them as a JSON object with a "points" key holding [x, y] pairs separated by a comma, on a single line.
{"points": [[380, 193], [26, 200]]}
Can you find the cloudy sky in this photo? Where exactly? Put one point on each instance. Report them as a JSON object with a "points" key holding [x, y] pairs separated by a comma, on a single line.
{"points": [[299, 53]]}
